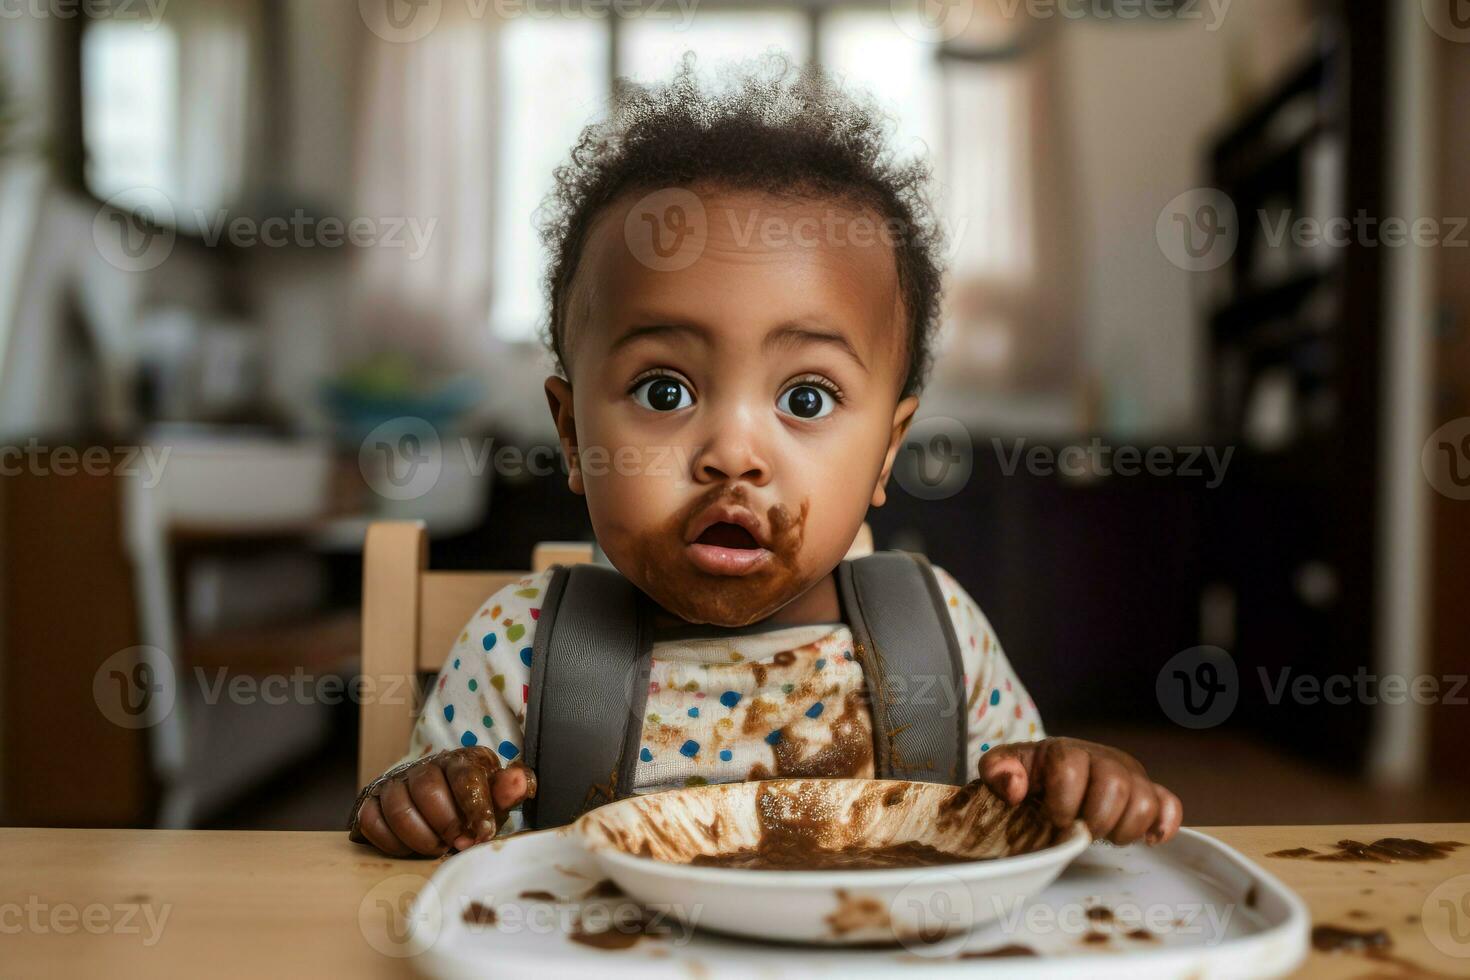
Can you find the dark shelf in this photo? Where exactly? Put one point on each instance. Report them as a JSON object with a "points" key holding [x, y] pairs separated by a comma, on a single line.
{"points": [[1307, 77], [1267, 304]]}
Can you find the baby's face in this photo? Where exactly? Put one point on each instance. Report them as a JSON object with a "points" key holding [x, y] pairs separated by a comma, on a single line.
{"points": [[731, 421]]}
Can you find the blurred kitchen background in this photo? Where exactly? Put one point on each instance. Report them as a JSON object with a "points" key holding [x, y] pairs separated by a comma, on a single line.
{"points": [[191, 359]]}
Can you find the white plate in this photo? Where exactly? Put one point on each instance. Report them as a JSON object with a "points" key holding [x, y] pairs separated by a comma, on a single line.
{"points": [[1212, 913], [1012, 847]]}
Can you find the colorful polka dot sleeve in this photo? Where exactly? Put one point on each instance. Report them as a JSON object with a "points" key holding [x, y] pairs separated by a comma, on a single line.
{"points": [[997, 707], [480, 695]]}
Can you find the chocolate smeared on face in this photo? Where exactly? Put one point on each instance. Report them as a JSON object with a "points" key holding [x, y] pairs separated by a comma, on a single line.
{"points": [[662, 568]]}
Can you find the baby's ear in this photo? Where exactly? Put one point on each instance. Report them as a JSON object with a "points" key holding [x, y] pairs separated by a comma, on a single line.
{"points": [[903, 417], [559, 400]]}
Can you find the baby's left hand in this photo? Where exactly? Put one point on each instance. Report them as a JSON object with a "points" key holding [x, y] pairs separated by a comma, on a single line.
{"points": [[1106, 788]]}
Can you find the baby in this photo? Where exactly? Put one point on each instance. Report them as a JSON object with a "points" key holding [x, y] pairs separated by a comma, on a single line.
{"points": [[743, 293]]}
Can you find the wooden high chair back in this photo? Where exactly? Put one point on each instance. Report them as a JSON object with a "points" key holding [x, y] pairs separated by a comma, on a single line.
{"points": [[411, 617]]}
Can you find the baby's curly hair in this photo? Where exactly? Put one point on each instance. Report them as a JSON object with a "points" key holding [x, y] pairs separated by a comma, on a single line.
{"points": [[772, 128]]}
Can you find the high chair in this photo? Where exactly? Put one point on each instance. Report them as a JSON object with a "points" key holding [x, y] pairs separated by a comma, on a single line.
{"points": [[411, 616]]}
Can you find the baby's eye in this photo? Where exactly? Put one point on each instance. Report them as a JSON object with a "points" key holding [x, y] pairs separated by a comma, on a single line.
{"points": [[662, 394], [806, 402]]}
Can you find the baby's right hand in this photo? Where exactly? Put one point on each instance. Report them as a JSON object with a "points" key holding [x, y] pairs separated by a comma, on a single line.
{"points": [[455, 798]]}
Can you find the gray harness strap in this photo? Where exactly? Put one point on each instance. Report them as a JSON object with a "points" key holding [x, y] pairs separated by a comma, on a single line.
{"points": [[593, 639], [593, 649], [905, 641]]}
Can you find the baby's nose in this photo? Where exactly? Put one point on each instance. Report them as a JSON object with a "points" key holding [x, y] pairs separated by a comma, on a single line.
{"points": [[731, 457]]}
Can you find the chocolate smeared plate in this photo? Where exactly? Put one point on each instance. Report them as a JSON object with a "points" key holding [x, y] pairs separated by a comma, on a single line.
{"points": [[831, 861]]}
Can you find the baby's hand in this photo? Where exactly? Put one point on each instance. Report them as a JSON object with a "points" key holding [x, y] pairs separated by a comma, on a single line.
{"points": [[456, 798], [1108, 789]]}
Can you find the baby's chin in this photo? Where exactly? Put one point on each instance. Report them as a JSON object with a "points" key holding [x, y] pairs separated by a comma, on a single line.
{"points": [[662, 568], [720, 602]]}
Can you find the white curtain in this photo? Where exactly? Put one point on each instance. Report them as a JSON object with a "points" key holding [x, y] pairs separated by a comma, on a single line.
{"points": [[425, 156]]}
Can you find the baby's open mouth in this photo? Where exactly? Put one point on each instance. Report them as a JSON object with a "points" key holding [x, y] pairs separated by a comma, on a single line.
{"points": [[726, 548], [723, 534]]}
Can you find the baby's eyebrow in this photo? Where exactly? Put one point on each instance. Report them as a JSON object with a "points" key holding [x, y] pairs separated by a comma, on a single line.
{"points": [[794, 334], [673, 330]]}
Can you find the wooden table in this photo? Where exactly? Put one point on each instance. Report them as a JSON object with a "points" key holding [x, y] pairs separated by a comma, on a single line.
{"points": [[284, 904]]}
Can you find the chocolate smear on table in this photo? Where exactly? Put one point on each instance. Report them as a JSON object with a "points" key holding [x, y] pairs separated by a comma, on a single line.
{"points": [[1385, 850]]}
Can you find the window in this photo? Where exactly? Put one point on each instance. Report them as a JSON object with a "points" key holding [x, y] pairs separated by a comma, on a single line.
{"points": [[556, 77], [553, 80], [130, 99]]}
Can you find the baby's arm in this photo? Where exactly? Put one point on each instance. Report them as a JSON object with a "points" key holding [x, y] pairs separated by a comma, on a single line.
{"points": [[1010, 751], [460, 779]]}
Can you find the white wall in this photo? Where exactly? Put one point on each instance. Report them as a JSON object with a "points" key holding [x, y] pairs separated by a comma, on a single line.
{"points": [[1142, 101]]}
